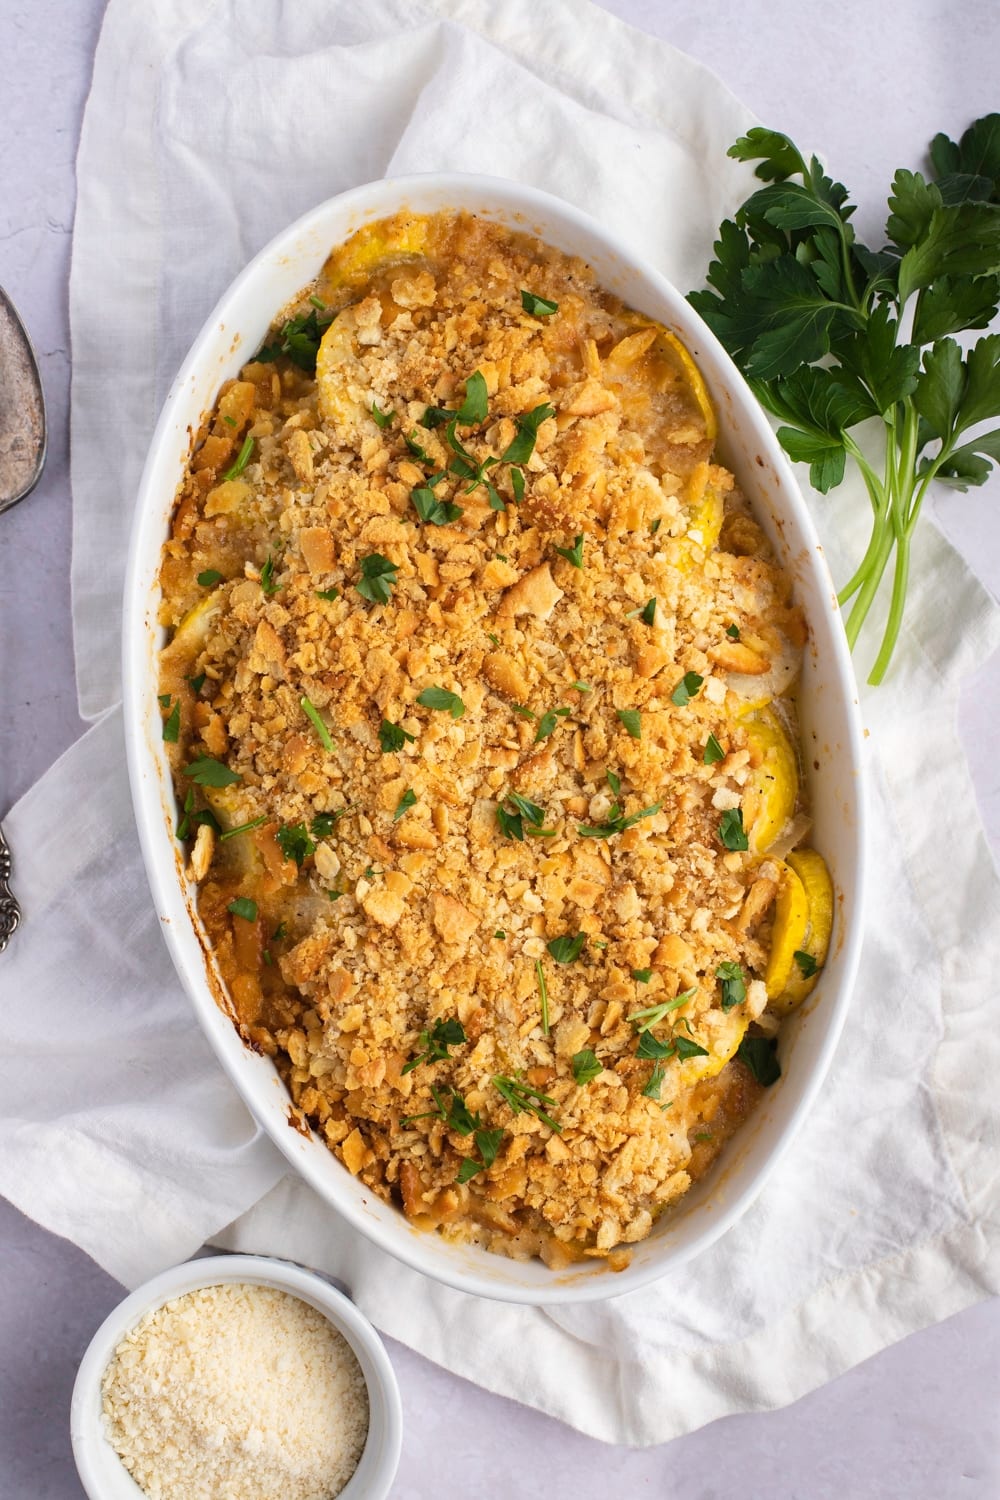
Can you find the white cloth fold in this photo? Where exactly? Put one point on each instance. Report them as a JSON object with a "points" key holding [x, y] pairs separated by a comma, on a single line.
{"points": [[208, 128]]}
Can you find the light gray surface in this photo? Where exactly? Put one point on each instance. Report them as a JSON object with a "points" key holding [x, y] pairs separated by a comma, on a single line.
{"points": [[867, 86]]}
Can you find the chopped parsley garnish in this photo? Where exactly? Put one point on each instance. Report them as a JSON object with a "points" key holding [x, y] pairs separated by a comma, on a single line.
{"points": [[443, 700], [731, 831], [687, 1048], [495, 639], [642, 976], [328, 594], [393, 737], [520, 449], [686, 689], [378, 578], [430, 509], [512, 823], [317, 302], [267, 582], [243, 907], [543, 995], [209, 772], [648, 613], [643, 1020], [229, 421], [488, 1143], [500, 934], [382, 418], [517, 484], [435, 1041], [523, 1097], [323, 823], [655, 1082], [231, 833], [163, 699], [806, 963], [209, 577], [713, 751], [548, 722], [582, 687], [312, 714], [299, 339], [295, 843], [759, 1053], [522, 712], [654, 526], [197, 683], [632, 720], [573, 554], [734, 989], [650, 1047], [406, 801], [586, 1066], [538, 307], [242, 459], [566, 949], [733, 632], [616, 821], [410, 440], [172, 724], [278, 933], [473, 409]]}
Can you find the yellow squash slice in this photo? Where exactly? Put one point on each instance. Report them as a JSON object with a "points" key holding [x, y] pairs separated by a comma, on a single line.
{"points": [[791, 923], [814, 878], [773, 788], [401, 238]]}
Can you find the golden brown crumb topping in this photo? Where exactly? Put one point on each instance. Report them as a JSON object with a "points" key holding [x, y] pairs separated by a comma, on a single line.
{"points": [[490, 655]]}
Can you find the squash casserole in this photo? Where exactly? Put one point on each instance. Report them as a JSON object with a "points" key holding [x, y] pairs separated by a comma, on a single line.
{"points": [[478, 692]]}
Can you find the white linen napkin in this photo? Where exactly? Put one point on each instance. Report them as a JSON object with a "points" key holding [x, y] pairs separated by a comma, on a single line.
{"points": [[208, 128]]}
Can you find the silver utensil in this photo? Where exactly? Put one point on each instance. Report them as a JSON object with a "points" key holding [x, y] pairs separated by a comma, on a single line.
{"points": [[10, 912], [22, 410]]}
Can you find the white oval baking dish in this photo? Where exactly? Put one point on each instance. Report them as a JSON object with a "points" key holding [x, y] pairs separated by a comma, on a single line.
{"points": [[829, 715]]}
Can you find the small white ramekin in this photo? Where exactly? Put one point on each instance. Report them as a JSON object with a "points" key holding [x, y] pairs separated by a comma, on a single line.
{"points": [[102, 1473]]}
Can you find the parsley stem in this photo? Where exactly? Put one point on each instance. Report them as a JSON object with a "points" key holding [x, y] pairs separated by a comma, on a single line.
{"points": [[900, 580]]}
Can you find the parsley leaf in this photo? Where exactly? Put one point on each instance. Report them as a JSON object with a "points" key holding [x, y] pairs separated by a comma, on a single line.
{"points": [[521, 447], [382, 418], [393, 737], [328, 594], [539, 307], [566, 949], [406, 801], [731, 831], [440, 698], [209, 772], [759, 1053], [435, 1041], [632, 720], [655, 1081], [686, 689], [648, 612], [267, 582], [807, 964], [734, 990], [294, 842], [432, 510], [243, 907], [585, 1067], [543, 995], [512, 823], [209, 577], [573, 554], [616, 822], [713, 751], [172, 725], [642, 976], [473, 409], [378, 578], [733, 632], [242, 459], [299, 339]]}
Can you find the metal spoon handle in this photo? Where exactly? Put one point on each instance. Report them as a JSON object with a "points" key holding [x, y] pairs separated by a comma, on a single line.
{"points": [[10, 912]]}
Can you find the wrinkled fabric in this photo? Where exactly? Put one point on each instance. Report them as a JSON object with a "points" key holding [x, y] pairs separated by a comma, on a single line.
{"points": [[117, 1127]]}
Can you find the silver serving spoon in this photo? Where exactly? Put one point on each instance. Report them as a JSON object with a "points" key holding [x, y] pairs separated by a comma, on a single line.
{"points": [[22, 457], [22, 410]]}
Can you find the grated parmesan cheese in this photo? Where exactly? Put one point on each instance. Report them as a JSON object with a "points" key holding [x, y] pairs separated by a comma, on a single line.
{"points": [[236, 1392]]}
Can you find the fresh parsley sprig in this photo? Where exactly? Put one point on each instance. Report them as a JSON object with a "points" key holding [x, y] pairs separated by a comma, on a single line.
{"points": [[832, 334]]}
